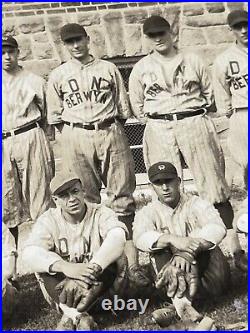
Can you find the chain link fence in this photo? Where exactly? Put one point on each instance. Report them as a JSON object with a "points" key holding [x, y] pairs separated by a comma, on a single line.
{"points": [[133, 129]]}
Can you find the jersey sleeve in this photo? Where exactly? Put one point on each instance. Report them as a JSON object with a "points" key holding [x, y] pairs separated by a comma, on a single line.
{"points": [[121, 98], [210, 225], [145, 232], [136, 94], [54, 99], [222, 92], [205, 82], [38, 250], [40, 99], [108, 221]]}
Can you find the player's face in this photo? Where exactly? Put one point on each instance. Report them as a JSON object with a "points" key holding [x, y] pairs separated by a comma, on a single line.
{"points": [[78, 47], [162, 41], [71, 200], [168, 191], [9, 58], [240, 32]]}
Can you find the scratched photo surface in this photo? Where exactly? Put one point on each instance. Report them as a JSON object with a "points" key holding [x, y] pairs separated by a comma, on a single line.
{"points": [[125, 162]]}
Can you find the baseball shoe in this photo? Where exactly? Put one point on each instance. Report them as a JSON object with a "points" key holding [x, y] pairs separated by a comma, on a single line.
{"points": [[85, 322], [164, 316], [240, 260], [65, 324]]}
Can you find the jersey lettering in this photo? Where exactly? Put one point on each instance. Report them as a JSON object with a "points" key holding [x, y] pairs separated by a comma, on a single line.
{"points": [[237, 81], [154, 90], [73, 85], [63, 246], [234, 67], [100, 90]]}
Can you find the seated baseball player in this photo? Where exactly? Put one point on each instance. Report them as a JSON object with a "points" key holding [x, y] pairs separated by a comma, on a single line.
{"points": [[76, 252], [181, 232], [9, 285]]}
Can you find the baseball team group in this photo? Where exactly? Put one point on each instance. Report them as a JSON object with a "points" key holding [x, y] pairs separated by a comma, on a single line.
{"points": [[81, 249]]}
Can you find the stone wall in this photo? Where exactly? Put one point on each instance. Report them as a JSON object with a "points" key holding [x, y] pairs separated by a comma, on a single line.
{"points": [[115, 28]]}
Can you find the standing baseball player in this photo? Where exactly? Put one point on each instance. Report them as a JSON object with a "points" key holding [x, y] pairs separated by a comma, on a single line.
{"points": [[75, 248], [181, 232], [171, 92], [27, 158], [230, 73], [87, 102]]}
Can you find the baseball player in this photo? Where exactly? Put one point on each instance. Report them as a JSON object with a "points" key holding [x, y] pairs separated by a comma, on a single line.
{"points": [[181, 232], [87, 102], [27, 158], [9, 287], [171, 92], [76, 249], [230, 73]]}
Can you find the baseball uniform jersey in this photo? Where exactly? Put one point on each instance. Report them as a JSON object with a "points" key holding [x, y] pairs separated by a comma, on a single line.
{"points": [[53, 238], [230, 74], [90, 94], [70, 242], [159, 86], [27, 158], [192, 217]]}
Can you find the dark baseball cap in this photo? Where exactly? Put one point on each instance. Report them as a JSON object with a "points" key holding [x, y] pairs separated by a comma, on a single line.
{"points": [[162, 170], [9, 41], [72, 30], [155, 23], [62, 181], [237, 16]]}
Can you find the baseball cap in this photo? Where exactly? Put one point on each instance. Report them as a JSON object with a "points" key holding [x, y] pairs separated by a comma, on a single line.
{"points": [[237, 16], [9, 41], [72, 30], [155, 23], [162, 170], [62, 181]]}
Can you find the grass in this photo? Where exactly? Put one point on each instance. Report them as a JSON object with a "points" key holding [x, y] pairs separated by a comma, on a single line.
{"points": [[33, 313]]}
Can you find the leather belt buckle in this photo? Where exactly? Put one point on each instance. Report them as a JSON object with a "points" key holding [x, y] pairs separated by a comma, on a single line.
{"points": [[96, 126]]}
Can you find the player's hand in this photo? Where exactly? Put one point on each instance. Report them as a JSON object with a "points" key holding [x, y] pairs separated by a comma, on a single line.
{"points": [[181, 263], [80, 271], [187, 244]]}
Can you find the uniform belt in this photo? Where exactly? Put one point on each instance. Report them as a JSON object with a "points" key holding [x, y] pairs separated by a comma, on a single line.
{"points": [[96, 126], [178, 115], [5, 135]]}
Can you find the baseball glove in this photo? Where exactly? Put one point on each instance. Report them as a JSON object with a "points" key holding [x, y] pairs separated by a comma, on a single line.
{"points": [[192, 276], [171, 278], [176, 280], [74, 293]]}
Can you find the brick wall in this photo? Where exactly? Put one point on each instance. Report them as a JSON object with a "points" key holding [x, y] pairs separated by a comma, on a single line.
{"points": [[115, 28]]}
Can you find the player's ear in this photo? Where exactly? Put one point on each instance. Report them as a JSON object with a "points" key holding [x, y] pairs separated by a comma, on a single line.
{"points": [[55, 199]]}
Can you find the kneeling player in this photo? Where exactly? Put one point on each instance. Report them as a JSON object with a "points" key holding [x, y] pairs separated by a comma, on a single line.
{"points": [[76, 251]]}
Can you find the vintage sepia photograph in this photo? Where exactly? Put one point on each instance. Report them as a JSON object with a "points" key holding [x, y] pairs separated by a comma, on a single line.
{"points": [[124, 166]]}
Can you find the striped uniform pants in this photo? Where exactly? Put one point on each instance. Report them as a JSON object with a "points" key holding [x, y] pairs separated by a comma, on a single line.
{"points": [[194, 138], [238, 138], [26, 174], [98, 156]]}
